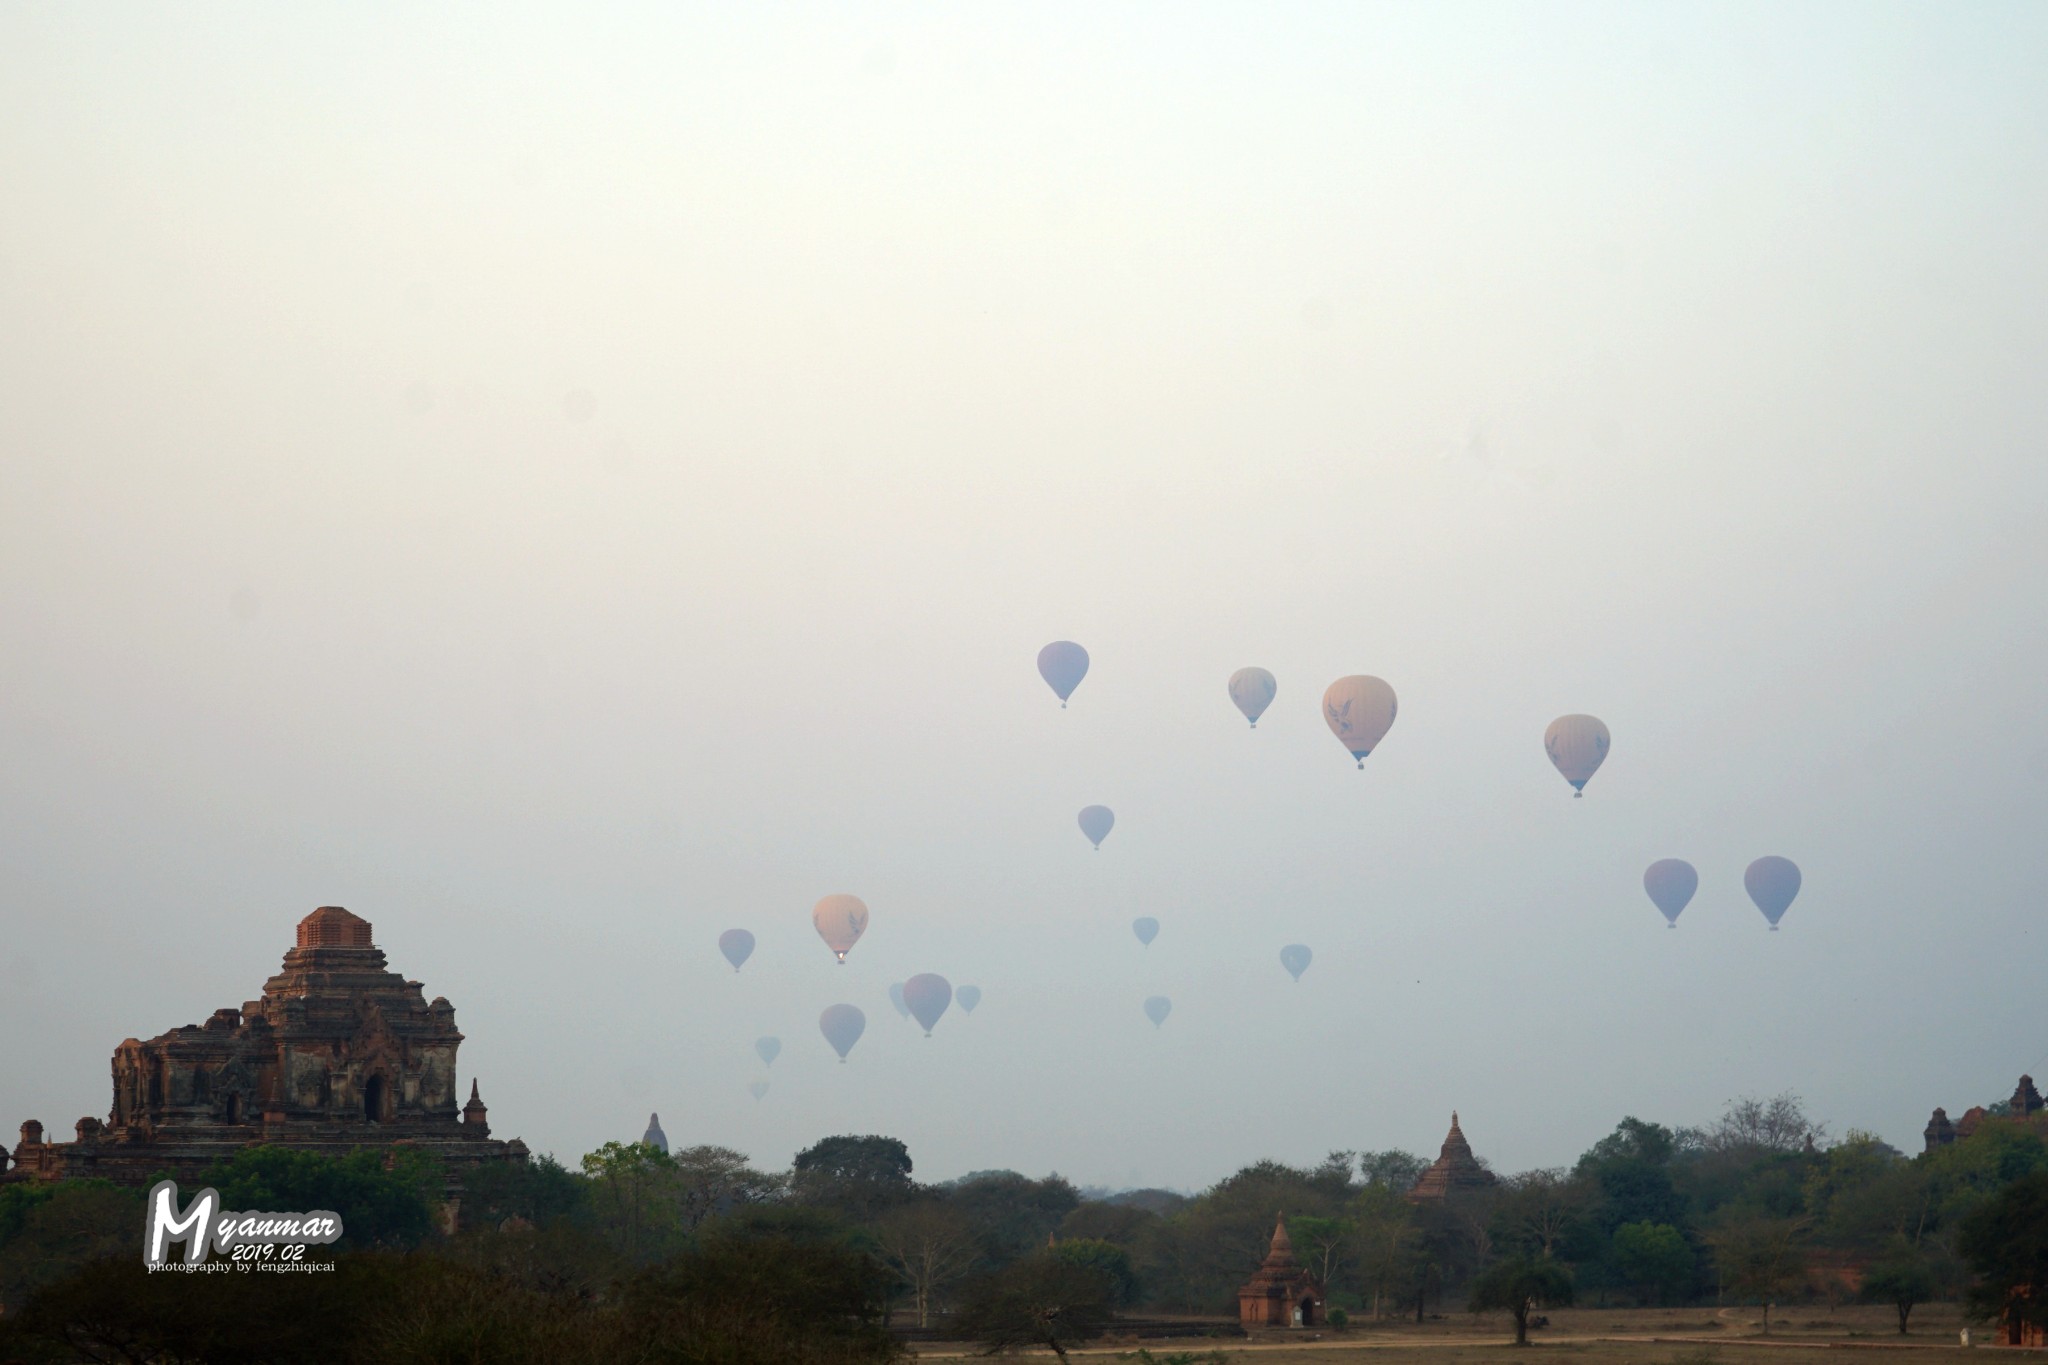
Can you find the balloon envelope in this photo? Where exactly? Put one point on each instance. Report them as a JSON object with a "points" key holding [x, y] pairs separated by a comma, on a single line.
{"points": [[1772, 883], [927, 994], [896, 999], [1157, 1008], [1295, 958], [737, 945], [1360, 710], [1096, 822], [1063, 664], [840, 921], [842, 1026], [757, 1089], [969, 997], [1578, 746], [1252, 689], [1146, 928], [769, 1049], [1671, 882]]}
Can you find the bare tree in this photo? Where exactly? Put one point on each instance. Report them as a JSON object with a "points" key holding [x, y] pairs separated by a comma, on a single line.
{"points": [[1778, 1124], [1763, 1257], [1538, 1208], [930, 1246]]}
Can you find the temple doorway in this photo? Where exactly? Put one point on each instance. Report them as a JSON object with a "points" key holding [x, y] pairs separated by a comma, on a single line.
{"points": [[234, 1109], [373, 1099]]}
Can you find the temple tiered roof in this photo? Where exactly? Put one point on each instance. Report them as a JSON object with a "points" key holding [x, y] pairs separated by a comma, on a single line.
{"points": [[1455, 1171]]}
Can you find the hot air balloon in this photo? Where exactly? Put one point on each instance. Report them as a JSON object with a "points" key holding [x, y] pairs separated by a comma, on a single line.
{"points": [[1252, 690], [969, 997], [1671, 882], [769, 1049], [1295, 958], [759, 1088], [840, 921], [1096, 822], [1772, 883], [927, 994], [842, 1026], [896, 999], [1146, 928], [1360, 710], [1578, 746], [1157, 1008], [737, 945], [1063, 664]]}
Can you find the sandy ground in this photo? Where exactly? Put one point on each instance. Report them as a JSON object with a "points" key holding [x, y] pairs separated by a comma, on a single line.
{"points": [[1677, 1336]]}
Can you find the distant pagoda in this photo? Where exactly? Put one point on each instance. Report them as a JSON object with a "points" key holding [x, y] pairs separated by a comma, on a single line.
{"points": [[1280, 1293], [1454, 1172]]}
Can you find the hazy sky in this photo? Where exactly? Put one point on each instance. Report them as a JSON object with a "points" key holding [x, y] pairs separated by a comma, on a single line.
{"points": [[564, 484]]}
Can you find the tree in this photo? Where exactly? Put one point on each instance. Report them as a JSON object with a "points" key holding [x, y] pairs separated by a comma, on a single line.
{"points": [[712, 1180], [385, 1198], [1041, 1300], [1761, 1257], [1394, 1169], [1013, 1214], [1519, 1284], [632, 1185], [2005, 1242], [1778, 1124], [859, 1174], [539, 1190], [1653, 1257], [61, 1228], [929, 1245], [1902, 1279], [1324, 1245], [1536, 1210], [1386, 1239], [1112, 1261]]}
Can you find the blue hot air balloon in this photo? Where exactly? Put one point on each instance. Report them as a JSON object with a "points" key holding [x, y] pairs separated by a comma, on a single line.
{"points": [[759, 1088], [969, 997], [1251, 691], [842, 1026], [1671, 882], [769, 1049], [896, 999], [1772, 883], [1063, 664], [1295, 958], [1096, 823], [927, 994], [1157, 1008], [737, 945], [1146, 928]]}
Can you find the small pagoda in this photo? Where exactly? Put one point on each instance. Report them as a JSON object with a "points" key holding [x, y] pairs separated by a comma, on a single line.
{"points": [[1455, 1171], [1280, 1293]]}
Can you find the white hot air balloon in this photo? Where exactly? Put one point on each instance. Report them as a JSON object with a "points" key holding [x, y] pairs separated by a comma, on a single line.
{"points": [[896, 999], [1146, 928], [1360, 710], [1671, 882], [969, 997], [842, 1026], [1063, 664], [737, 945], [1096, 823], [840, 920], [768, 1049], [927, 994], [1157, 1008], [759, 1088], [1772, 883], [1578, 746], [1251, 690], [1295, 958]]}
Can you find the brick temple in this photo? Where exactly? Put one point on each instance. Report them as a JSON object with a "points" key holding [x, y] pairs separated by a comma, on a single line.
{"points": [[1455, 1171], [2025, 1106], [1281, 1293], [339, 1053]]}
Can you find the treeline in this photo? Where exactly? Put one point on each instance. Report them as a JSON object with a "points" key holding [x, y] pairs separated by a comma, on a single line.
{"points": [[700, 1256]]}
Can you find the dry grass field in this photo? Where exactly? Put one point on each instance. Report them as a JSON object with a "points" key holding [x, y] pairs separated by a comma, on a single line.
{"points": [[1583, 1336]]}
